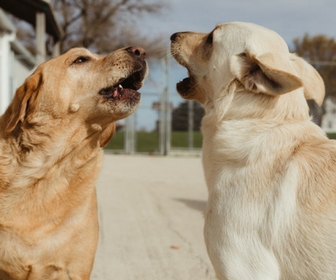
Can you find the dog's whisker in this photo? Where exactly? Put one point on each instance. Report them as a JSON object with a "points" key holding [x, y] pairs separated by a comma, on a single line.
{"points": [[162, 53], [167, 55]]}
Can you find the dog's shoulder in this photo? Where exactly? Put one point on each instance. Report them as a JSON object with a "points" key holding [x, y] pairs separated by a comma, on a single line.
{"points": [[316, 161]]}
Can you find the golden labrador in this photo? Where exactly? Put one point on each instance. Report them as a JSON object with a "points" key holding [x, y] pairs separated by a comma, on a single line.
{"points": [[50, 147], [270, 171]]}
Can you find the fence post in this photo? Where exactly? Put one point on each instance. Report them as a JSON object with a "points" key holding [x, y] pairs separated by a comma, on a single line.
{"points": [[167, 104], [40, 37], [165, 116], [190, 124], [130, 135]]}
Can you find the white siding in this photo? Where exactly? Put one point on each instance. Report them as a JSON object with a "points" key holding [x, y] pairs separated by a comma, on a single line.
{"points": [[20, 73]]}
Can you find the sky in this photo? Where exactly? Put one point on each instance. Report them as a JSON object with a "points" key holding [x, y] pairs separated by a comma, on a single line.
{"points": [[289, 18]]}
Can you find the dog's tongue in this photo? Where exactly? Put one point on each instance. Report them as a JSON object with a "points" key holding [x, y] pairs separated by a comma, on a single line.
{"points": [[115, 92]]}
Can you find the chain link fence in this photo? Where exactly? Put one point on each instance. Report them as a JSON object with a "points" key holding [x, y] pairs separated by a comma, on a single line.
{"points": [[160, 126]]}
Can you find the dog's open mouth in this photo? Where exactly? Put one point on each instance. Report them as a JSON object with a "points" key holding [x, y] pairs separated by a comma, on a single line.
{"points": [[183, 87], [125, 87]]}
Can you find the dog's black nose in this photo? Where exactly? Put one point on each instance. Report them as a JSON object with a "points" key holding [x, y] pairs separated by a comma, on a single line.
{"points": [[173, 37], [138, 51]]}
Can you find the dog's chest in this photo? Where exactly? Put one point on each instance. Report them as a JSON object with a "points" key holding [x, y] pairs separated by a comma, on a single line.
{"points": [[251, 185]]}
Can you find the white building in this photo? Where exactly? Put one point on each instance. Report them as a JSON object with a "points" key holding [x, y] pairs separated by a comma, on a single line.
{"points": [[16, 62], [329, 118]]}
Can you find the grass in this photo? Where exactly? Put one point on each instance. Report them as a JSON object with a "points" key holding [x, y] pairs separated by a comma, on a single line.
{"points": [[149, 141], [180, 139], [331, 135], [117, 141]]}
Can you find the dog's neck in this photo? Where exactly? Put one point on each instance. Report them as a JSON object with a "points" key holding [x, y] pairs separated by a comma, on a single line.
{"points": [[48, 164], [237, 122], [70, 142], [234, 102], [217, 104], [247, 145]]}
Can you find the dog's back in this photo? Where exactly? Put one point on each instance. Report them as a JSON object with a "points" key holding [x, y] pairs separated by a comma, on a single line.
{"points": [[310, 251]]}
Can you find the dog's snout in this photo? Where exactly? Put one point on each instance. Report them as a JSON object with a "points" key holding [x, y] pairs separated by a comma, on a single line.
{"points": [[138, 51], [180, 35], [173, 37]]}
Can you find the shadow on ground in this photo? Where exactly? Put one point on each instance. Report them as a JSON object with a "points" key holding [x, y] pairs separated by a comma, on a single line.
{"points": [[199, 205]]}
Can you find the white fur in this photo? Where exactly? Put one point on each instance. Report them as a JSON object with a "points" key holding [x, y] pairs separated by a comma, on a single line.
{"points": [[269, 169]]}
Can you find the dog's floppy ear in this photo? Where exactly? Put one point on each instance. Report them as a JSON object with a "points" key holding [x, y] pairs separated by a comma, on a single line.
{"points": [[107, 135], [25, 94], [266, 73], [312, 81]]}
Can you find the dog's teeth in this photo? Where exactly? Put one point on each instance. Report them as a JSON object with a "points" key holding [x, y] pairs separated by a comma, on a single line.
{"points": [[120, 86]]}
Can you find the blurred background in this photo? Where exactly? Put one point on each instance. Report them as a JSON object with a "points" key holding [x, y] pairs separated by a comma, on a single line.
{"points": [[32, 31]]}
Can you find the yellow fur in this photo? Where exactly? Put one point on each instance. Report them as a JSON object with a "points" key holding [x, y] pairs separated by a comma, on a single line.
{"points": [[50, 156]]}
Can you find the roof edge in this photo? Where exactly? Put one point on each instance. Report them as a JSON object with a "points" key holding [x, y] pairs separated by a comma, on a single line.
{"points": [[5, 23], [23, 54]]}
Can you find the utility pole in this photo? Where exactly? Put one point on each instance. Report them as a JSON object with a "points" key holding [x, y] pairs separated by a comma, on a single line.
{"points": [[130, 135], [165, 112], [168, 108], [162, 112]]}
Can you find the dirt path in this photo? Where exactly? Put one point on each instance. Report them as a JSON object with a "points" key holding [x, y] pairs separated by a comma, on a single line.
{"points": [[151, 220]]}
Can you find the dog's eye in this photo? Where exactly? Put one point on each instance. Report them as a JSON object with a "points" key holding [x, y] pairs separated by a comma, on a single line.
{"points": [[209, 38], [81, 59]]}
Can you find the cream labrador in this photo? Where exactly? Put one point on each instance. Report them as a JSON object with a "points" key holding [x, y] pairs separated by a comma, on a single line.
{"points": [[270, 171], [50, 147]]}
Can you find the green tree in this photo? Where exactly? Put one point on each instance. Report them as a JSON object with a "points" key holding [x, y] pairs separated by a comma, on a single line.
{"points": [[105, 25], [101, 25], [320, 51]]}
